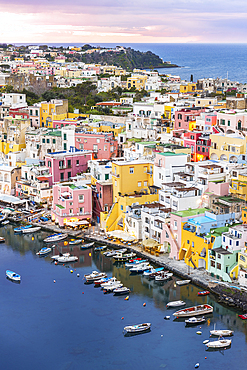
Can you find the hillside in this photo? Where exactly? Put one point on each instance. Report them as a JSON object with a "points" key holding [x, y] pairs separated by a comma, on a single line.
{"points": [[127, 59]]}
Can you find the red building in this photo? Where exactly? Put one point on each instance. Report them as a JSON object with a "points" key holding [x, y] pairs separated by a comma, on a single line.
{"points": [[19, 113], [103, 145], [199, 143], [102, 195]]}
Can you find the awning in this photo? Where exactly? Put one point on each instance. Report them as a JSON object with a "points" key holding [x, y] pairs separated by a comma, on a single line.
{"points": [[11, 199], [150, 243], [119, 234]]}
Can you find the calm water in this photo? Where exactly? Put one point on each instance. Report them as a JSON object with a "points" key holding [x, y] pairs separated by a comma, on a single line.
{"points": [[199, 60], [47, 325]]}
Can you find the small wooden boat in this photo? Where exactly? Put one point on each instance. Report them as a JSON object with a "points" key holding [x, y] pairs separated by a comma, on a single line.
{"points": [[137, 328], [13, 276], [220, 343], [194, 311], [87, 246], [95, 275], [195, 321], [43, 251], [175, 304], [205, 292], [31, 230], [2, 240], [55, 238], [121, 291], [221, 333], [75, 241], [101, 248], [183, 282], [243, 317]]}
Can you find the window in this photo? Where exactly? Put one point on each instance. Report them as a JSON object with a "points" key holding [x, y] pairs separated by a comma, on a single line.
{"points": [[145, 169], [192, 137], [49, 163], [70, 211], [85, 140], [64, 146], [131, 169], [81, 198], [60, 164], [97, 140], [218, 266], [77, 162], [69, 162], [121, 207], [237, 243], [43, 140], [145, 183], [81, 209], [105, 148], [115, 182], [224, 238], [198, 148], [54, 141], [139, 184], [65, 136], [175, 225], [212, 263], [61, 176], [95, 147], [192, 244], [229, 123], [203, 149], [48, 141]]}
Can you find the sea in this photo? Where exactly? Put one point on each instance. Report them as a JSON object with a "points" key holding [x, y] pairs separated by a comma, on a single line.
{"points": [[198, 60], [52, 320]]}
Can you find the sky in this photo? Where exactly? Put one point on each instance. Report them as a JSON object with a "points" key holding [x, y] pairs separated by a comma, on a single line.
{"points": [[123, 21]]}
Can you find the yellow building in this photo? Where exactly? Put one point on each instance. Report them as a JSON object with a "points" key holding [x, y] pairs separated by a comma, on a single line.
{"points": [[227, 148], [189, 87], [53, 110], [131, 183], [239, 187], [13, 134], [244, 215], [139, 82]]}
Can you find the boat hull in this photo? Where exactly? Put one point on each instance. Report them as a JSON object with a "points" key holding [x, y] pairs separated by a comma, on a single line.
{"points": [[55, 238], [140, 328], [194, 311]]}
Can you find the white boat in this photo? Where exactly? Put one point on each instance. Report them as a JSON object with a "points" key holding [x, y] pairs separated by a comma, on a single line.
{"points": [[195, 321], [183, 282], [95, 275], [152, 270], [163, 277], [43, 251], [120, 291], [66, 259], [121, 257], [137, 328], [31, 230], [194, 311], [140, 268], [221, 333], [134, 263], [75, 241], [111, 282], [55, 237], [113, 252], [2, 239], [220, 343], [6, 222], [21, 228], [175, 304], [101, 248], [87, 246], [110, 288], [13, 276], [54, 258]]}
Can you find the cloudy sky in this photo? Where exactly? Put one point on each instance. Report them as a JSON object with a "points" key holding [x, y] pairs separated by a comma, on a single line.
{"points": [[95, 21]]}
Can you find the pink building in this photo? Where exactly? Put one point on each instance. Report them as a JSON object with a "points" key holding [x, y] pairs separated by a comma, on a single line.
{"points": [[58, 124], [184, 116], [103, 145], [72, 202], [64, 165]]}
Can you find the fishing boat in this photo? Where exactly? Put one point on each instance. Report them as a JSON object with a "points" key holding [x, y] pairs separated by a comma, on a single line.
{"points": [[243, 317], [111, 282], [221, 333], [2, 240], [101, 248], [205, 292], [134, 263], [54, 258], [220, 343], [152, 270], [121, 291], [112, 287], [95, 275], [183, 282], [13, 276], [43, 251], [55, 238], [163, 277], [102, 281], [113, 252], [154, 274], [195, 321], [141, 267], [30, 230], [175, 304], [67, 259], [137, 328], [75, 241], [87, 246], [21, 228], [194, 311]]}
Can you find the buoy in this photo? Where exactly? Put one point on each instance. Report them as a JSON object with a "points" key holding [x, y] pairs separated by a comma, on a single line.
{"points": [[82, 292], [205, 358], [54, 281], [144, 304], [161, 335], [71, 271], [63, 264], [78, 275], [199, 332], [197, 365], [122, 318], [126, 298], [56, 263]]}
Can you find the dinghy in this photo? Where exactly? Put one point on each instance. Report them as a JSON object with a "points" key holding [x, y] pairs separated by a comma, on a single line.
{"points": [[13, 276]]}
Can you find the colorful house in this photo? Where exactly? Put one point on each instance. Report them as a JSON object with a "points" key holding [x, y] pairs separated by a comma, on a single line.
{"points": [[228, 147], [103, 145], [199, 143]]}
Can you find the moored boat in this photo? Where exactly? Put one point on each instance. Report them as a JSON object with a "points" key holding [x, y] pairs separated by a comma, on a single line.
{"points": [[163, 277], [31, 230], [5, 222], [2, 239], [54, 258], [75, 241], [221, 333], [152, 270], [121, 291], [67, 259], [175, 304], [220, 343], [87, 246], [21, 228], [55, 237], [195, 321], [112, 287], [95, 275], [113, 252], [43, 251], [101, 248], [183, 282], [102, 281], [194, 311], [111, 282], [205, 292], [137, 328], [13, 275], [141, 267], [121, 257], [134, 263], [243, 317]]}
